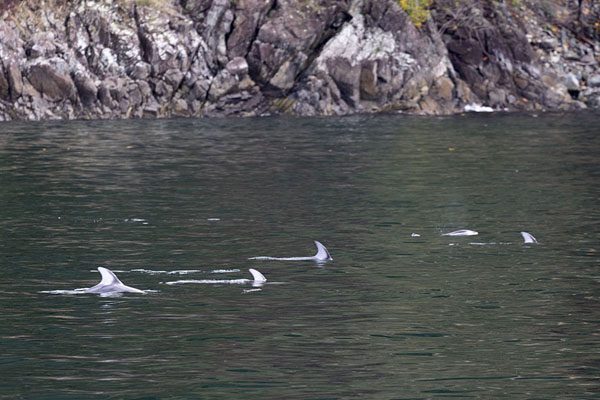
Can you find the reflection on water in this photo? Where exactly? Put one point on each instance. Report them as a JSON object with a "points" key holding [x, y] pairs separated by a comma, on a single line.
{"points": [[401, 311]]}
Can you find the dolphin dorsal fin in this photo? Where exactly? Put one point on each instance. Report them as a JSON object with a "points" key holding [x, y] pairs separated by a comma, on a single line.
{"points": [[108, 277], [528, 238], [322, 253], [258, 277]]}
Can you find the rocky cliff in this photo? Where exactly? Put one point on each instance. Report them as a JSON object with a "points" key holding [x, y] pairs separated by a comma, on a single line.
{"points": [[182, 58]]}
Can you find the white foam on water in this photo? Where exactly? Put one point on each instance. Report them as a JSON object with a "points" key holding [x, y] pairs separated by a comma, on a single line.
{"points": [[474, 107], [72, 291], [148, 271], [223, 271]]}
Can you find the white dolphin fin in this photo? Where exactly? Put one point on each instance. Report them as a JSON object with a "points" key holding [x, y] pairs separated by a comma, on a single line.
{"points": [[322, 253], [258, 277], [108, 277], [528, 238], [111, 284]]}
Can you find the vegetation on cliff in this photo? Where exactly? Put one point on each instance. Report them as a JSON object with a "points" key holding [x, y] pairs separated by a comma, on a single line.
{"points": [[417, 10]]}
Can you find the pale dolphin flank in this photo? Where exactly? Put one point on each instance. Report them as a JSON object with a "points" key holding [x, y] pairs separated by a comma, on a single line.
{"points": [[528, 238], [258, 279], [111, 284], [462, 232], [321, 256]]}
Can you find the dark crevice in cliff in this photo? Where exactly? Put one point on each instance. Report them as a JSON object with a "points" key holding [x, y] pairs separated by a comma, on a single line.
{"points": [[145, 46], [89, 52], [230, 31], [205, 99], [259, 24], [193, 59]]}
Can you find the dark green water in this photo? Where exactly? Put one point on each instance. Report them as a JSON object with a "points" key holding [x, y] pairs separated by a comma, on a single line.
{"points": [[391, 317]]}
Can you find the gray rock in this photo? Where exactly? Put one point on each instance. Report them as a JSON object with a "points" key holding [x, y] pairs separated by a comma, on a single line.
{"points": [[86, 88], [105, 93], [104, 96], [347, 78], [497, 98], [285, 77], [180, 108], [368, 80], [42, 45], [593, 100], [248, 15], [443, 89], [134, 93], [588, 58], [15, 80], [237, 66], [162, 89], [141, 70], [52, 84], [4, 86], [571, 82], [548, 43], [228, 84], [173, 77], [151, 110], [594, 81]]}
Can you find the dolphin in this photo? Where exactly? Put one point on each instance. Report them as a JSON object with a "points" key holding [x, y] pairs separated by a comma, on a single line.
{"points": [[528, 238], [111, 284], [321, 256], [258, 279], [462, 232]]}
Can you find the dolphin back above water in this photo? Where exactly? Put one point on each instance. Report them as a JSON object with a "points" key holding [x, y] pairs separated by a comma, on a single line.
{"points": [[321, 256], [111, 284], [258, 280], [462, 232], [528, 238]]}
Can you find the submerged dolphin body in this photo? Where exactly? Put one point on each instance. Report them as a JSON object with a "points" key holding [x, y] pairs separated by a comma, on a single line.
{"points": [[462, 232], [258, 279], [111, 284], [528, 238], [321, 256]]}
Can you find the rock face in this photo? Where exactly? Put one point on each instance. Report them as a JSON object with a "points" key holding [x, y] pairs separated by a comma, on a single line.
{"points": [[183, 58]]}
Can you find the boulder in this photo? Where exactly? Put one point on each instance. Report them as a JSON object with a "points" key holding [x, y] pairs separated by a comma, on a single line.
{"points": [[594, 81], [86, 88], [15, 80], [50, 83], [347, 78], [4, 86], [368, 80], [571, 82]]}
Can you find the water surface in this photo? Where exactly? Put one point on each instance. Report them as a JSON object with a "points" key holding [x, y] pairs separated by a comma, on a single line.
{"points": [[391, 317]]}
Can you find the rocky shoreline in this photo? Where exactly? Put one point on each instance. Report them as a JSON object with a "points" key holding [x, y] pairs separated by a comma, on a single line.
{"points": [[206, 58]]}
